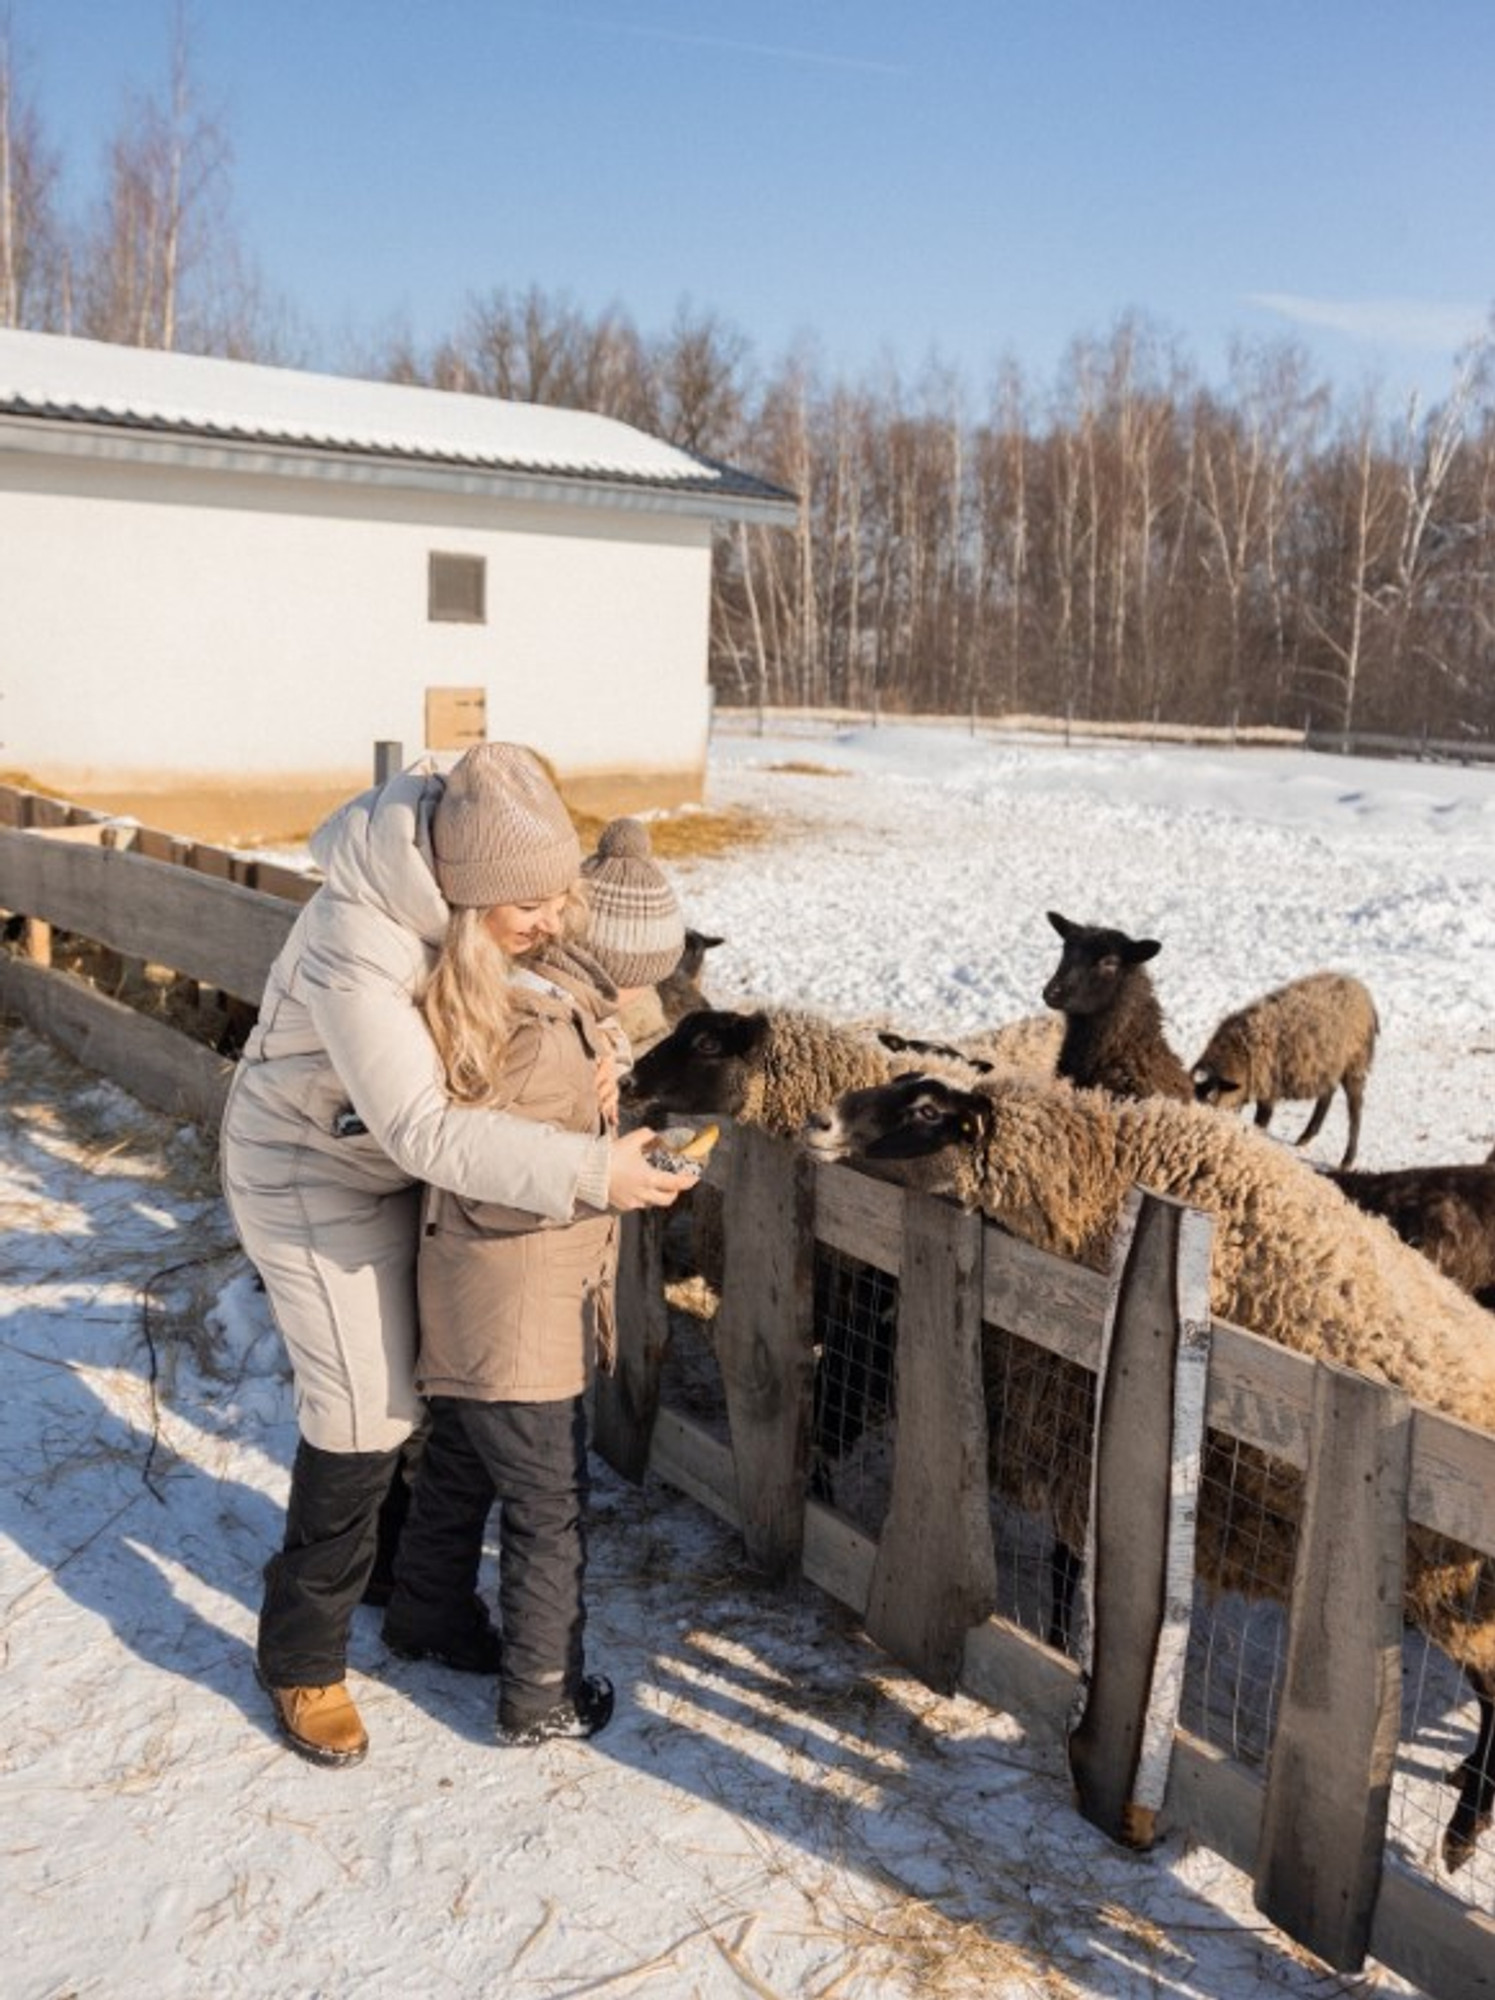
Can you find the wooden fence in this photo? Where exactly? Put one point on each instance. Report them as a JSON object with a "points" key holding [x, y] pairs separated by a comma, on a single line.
{"points": [[1311, 1830]]}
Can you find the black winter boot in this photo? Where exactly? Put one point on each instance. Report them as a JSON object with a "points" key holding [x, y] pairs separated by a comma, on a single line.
{"points": [[585, 1713]]}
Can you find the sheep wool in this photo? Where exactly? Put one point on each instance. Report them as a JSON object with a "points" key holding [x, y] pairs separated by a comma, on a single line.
{"points": [[1303, 1040], [805, 1063], [1293, 1261]]}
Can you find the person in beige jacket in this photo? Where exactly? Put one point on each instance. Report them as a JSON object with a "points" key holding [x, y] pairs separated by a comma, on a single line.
{"points": [[339, 1111], [516, 1311]]}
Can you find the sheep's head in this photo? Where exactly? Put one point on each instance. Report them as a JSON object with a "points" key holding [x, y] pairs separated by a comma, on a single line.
{"points": [[697, 944], [1212, 1086], [705, 1064], [908, 1119], [1093, 963]]}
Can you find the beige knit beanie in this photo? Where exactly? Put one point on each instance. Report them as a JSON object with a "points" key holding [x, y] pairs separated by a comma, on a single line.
{"points": [[500, 833], [636, 930]]}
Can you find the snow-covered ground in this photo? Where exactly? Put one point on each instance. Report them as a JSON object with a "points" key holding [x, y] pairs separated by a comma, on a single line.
{"points": [[776, 1809]]}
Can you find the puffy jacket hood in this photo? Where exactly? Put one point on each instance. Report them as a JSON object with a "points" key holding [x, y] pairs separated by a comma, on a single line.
{"points": [[376, 849]]}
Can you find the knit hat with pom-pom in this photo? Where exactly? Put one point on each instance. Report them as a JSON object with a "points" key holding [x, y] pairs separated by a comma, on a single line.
{"points": [[500, 832], [636, 928]]}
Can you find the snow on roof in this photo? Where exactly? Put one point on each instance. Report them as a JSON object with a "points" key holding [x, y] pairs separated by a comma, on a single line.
{"points": [[89, 381]]}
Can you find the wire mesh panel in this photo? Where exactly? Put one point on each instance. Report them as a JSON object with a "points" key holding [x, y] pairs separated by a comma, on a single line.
{"points": [[856, 1332], [1249, 1508], [1444, 1785], [1040, 1414]]}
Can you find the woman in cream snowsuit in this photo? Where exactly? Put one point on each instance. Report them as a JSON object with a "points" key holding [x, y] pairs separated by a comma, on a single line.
{"points": [[516, 1311], [338, 1111]]}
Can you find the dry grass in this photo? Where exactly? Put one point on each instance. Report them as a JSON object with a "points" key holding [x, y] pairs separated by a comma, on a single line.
{"points": [[801, 767], [693, 832]]}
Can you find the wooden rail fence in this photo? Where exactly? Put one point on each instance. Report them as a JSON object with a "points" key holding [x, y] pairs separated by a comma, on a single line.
{"points": [[1311, 1831]]}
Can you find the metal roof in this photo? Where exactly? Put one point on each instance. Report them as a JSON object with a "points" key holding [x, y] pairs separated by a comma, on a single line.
{"points": [[56, 379]]}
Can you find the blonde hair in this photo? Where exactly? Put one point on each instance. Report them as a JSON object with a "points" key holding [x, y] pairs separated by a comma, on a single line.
{"points": [[465, 1002]]}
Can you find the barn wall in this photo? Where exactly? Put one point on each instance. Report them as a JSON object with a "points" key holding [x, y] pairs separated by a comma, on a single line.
{"points": [[165, 625]]}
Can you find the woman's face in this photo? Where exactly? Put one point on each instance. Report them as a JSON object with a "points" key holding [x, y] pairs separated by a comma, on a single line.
{"points": [[518, 927]]}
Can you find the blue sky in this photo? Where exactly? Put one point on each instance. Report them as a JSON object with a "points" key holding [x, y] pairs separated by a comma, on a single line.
{"points": [[971, 180]]}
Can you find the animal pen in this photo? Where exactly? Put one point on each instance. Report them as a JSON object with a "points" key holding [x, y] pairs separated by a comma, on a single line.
{"points": [[867, 1408]]}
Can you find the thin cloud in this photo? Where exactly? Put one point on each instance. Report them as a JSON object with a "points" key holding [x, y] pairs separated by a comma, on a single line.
{"points": [[769, 51], [1415, 323]]}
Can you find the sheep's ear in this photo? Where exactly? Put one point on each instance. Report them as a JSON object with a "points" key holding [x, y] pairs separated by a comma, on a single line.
{"points": [[1139, 950], [749, 1033], [1062, 924]]}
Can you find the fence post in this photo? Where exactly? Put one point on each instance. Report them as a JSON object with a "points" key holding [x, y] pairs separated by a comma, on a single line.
{"points": [[1139, 1567], [388, 759], [1323, 1822], [764, 1341], [626, 1402], [934, 1576]]}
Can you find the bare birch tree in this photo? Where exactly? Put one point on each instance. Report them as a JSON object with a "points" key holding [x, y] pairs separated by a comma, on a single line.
{"points": [[31, 244]]}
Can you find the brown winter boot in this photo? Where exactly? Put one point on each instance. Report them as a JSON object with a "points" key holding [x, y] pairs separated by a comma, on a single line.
{"points": [[320, 1723]]}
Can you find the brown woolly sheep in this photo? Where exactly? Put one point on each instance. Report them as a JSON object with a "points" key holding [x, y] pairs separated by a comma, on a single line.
{"points": [[1031, 1043], [1113, 1025], [772, 1067], [1292, 1261], [1306, 1039], [1447, 1212], [681, 993]]}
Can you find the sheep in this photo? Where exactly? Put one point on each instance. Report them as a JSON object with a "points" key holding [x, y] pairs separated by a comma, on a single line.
{"points": [[770, 1066], [1030, 1043], [773, 1067], [1113, 1025], [681, 992], [1293, 1261], [1446, 1212], [1306, 1039]]}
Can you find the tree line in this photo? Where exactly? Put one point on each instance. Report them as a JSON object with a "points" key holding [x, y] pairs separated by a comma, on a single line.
{"points": [[1125, 543]]}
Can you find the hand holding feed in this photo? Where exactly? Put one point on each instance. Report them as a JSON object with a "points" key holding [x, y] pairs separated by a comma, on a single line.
{"points": [[633, 1181]]}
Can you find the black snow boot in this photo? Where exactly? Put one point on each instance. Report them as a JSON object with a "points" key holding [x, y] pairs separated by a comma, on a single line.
{"points": [[585, 1713]]}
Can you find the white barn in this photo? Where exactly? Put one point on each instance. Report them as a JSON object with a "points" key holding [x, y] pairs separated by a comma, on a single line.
{"points": [[239, 580]]}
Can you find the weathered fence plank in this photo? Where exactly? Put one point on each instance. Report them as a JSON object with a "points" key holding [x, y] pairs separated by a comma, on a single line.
{"points": [[1139, 1571], [1041, 1298], [764, 1341], [626, 1402], [213, 931], [935, 1574], [1329, 1775], [157, 1064], [860, 1216]]}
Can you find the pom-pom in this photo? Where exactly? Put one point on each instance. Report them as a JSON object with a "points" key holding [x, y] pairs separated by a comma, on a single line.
{"points": [[624, 839]]}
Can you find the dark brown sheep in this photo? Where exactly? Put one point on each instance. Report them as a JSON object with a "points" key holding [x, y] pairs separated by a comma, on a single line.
{"points": [[1448, 1213], [1113, 1025]]}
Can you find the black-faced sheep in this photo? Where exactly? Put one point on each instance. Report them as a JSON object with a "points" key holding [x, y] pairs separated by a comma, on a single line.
{"points": [[1303, 1040], [1292, 1261], [1113, 1026], [1446, 1212], [772, 1068], [681, 993]]}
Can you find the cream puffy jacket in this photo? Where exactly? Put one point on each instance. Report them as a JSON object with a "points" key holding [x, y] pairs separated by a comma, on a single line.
{"points": [[329, 1214]]}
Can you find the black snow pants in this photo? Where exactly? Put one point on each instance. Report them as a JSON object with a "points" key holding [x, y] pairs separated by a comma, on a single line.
{"points": [[339, 1511], [531, 1458]]}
